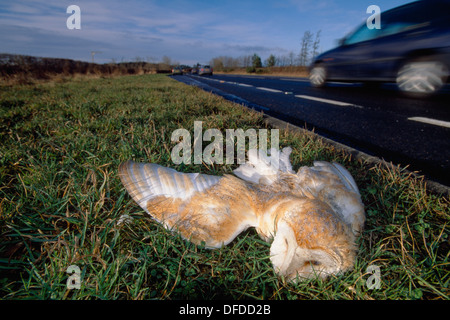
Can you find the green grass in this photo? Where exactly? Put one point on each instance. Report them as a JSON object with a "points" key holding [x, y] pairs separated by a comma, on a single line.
{"points": [[61, 201]]}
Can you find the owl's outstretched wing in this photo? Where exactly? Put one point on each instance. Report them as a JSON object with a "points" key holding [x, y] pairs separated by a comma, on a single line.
{"points": [[202, 208], [146, 181]]}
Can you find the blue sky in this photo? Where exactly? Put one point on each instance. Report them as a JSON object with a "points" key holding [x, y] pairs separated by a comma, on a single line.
{"points": [[186, 31]]}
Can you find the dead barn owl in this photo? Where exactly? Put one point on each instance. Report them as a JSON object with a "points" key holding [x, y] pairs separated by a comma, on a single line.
{"points": [[313, 216]]}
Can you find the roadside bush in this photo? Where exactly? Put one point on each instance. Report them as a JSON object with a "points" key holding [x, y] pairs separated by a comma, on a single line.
{"points": [[250, 69]]}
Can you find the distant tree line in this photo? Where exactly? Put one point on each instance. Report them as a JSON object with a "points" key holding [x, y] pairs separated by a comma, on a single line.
{"points": [[23, 67], [309, 48]]}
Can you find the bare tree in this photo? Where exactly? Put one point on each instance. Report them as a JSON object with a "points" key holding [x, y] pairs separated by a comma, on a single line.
{"points": [[246, 61], [315, 46], [165, 64], [217, 63], [305, 48], [166, 60], [291, 58], [151, 59], [225, 62], [284, 60]]}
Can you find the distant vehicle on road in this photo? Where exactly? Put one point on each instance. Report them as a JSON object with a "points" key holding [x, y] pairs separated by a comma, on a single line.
{"points": [[177, 71], [194, 70], [412, 48], [202, 70]]}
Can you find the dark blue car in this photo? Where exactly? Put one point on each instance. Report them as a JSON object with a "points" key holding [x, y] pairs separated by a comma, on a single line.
{"points": [[412, 48]]}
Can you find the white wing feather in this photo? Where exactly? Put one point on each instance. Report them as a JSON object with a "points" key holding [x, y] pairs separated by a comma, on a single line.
{"points": [[264, 168]]}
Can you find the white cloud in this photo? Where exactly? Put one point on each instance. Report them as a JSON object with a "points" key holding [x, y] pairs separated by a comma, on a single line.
{"points": [[185, 31]]}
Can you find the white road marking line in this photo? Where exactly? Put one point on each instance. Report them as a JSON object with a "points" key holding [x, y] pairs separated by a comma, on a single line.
{"points": [[231, 82], [270, 90], [435, 122], [244, 84], [338, 103]]}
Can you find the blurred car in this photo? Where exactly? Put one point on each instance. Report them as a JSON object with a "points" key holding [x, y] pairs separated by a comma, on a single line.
{"points": [[177, 71], [412, 48], [205, 70], [194, 71]]}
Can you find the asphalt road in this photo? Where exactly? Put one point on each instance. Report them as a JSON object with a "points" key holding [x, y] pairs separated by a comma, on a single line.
{"points": [[379, 121]]}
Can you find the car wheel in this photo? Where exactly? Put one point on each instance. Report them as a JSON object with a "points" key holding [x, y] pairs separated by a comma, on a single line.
{"points": [[420, 78], [318, 76]]}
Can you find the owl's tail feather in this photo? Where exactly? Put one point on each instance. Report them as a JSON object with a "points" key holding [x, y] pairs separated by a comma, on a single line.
{"points": [[340, 171]]}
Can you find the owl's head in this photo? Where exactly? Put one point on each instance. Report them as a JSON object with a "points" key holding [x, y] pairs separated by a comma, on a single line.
{"points": [[310, 244]]}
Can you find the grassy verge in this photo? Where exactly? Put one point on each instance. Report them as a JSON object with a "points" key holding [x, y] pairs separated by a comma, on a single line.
{"points": [[61, 203]]}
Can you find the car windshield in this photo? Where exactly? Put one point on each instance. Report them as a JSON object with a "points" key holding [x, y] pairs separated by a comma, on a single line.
{"points": [[362, 34], [412, 17]]}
